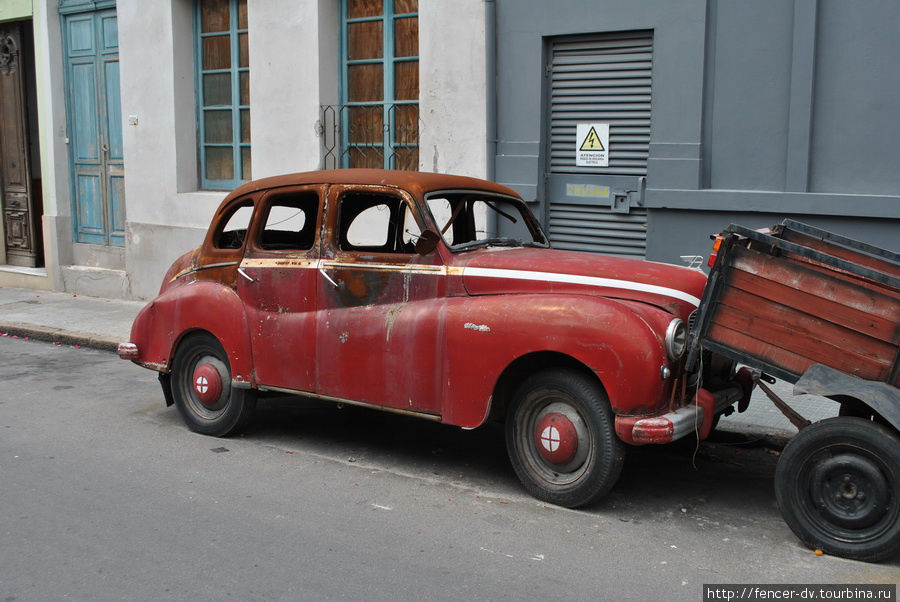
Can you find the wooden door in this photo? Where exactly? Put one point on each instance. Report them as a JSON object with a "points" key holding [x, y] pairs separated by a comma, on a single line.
{"points": [[95, 127], [20, 199]]}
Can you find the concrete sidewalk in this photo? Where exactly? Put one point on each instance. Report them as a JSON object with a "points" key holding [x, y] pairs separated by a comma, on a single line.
{"points": [[104, 323], [66, 318]]}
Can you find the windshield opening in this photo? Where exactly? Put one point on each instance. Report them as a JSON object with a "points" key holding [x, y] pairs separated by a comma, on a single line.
{"points": [[472, 219]]}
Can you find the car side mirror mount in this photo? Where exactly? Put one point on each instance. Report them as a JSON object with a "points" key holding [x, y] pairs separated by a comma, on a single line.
{"points": [[427, 242]]}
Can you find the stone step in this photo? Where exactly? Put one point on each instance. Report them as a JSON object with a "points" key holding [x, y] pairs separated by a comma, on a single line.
{"points": [[95, 281]]}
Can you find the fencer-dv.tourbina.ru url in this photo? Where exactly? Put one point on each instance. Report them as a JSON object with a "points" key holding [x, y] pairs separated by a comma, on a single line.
{"points": [[808, 591]]}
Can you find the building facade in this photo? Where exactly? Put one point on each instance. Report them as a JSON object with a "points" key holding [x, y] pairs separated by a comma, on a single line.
{"points": [[632, 128], [719, 111]]}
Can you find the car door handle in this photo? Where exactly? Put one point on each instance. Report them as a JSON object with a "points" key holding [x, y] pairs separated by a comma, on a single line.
{"points": [[245, 275], [328, 278]]}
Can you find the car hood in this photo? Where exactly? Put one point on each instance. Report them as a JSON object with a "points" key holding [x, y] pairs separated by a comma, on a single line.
{"points": [[499, 270]]}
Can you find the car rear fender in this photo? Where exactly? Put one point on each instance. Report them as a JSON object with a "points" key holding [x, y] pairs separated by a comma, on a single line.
{"points": [[202, 306]]}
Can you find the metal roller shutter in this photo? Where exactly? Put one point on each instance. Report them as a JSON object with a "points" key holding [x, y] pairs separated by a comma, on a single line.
{"points": [[600, 79]]}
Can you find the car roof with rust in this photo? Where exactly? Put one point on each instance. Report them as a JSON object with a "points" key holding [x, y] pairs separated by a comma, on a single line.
{"points": [[414, 182]]}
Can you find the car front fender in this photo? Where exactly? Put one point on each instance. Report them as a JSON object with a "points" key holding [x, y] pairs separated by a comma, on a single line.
{"points": [[485, 335]]}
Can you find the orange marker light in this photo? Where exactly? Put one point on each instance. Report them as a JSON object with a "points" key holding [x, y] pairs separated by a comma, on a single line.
{"points": [[717, 242]]}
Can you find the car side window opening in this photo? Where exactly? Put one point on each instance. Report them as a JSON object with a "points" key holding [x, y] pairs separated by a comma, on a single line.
{"points": [[290, 222], [376, 223], [469, 220], [234, 231]]}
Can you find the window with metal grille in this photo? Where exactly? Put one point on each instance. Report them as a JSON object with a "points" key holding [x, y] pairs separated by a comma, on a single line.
{"points": [[223, 92], [378, 118]]}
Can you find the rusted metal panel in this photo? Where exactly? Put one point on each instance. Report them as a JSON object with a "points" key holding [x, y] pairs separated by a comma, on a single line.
{"points": [[380, 332], [425, 334], [675, 288], [279, 302], [207, 306], [416, 183], [486, 334], [278, 289], [379, 317]]}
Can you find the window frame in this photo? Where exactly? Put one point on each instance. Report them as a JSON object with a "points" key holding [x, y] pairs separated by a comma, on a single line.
{"points": [[531, 222], [388, 102], [399, 206], [273, 197], [248, 202], [235, 70]]}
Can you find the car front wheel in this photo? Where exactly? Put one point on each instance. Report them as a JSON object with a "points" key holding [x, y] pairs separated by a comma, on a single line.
{"points": [[202, 389], [561, 438]]}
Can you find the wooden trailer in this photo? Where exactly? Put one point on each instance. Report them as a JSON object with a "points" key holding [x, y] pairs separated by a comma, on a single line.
{"points": [[821, 311]]}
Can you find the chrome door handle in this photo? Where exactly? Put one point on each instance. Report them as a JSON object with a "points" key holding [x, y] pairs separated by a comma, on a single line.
{"points": [[328, 278]]}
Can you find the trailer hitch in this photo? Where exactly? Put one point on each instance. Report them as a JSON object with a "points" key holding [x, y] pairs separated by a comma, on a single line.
{"points": [[796, 419]]}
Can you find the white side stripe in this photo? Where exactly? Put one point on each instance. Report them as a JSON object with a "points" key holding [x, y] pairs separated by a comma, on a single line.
{"points": [[588, 280], [627, 285]]}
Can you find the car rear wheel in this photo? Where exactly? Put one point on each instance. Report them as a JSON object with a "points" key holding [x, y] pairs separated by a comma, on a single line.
{"points": [[837, 484], [561, 438], [202, 390]]}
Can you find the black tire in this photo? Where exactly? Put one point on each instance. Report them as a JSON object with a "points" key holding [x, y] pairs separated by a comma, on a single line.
{"points": [[219, 414], [595, 463], [837, 484]]}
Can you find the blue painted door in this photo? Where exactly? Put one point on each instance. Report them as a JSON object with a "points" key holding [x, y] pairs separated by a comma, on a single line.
{"points": [[96, 162]]}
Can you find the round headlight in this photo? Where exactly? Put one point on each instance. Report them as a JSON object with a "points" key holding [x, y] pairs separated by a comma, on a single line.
{"points": [[676, 339]]}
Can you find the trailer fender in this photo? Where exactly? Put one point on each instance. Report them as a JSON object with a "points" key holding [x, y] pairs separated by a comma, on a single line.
{"points": [[828, 382]]}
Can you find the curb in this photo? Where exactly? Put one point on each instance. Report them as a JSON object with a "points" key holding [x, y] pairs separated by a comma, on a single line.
{"points": [[758, 435], [61, 335]]}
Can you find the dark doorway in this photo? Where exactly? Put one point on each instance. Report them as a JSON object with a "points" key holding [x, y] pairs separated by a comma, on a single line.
{"points": [[20, 165]]}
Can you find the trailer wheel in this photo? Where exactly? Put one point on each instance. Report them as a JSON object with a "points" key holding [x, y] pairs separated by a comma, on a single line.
{"points": [[202, 391], [837, 484], [561, 438]]}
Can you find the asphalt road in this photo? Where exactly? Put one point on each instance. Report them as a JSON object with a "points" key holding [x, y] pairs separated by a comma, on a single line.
{"points": [[104, 494]]}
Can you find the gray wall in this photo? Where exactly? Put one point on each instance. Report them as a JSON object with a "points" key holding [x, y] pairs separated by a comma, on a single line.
{"points": [[761, 110]]}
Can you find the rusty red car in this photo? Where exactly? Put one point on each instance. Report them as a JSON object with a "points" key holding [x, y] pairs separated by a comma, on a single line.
{"points": [[436, 296]]}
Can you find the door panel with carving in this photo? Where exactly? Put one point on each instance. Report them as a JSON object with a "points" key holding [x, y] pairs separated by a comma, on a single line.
{"points": [[21, 240]]}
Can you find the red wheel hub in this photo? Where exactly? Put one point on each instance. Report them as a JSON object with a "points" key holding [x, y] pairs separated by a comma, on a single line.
{"points": [[556, 438], [207, 383]]}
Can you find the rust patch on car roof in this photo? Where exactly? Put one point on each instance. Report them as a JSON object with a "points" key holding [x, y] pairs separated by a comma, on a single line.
{"points": [[416, 183]]}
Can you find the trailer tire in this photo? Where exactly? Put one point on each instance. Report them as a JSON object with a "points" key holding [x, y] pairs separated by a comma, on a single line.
{"points": [[837, 484], [561, 438]]}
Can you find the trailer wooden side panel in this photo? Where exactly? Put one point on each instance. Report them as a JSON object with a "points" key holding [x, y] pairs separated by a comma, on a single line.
{"points": [[785, 309]]}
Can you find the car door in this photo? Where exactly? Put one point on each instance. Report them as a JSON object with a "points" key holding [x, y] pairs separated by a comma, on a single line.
{"points": [[277, 282], [381, 305]]}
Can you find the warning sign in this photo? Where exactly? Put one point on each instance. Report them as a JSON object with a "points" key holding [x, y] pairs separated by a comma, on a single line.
{"points": [[592, 142], [592, 145]]}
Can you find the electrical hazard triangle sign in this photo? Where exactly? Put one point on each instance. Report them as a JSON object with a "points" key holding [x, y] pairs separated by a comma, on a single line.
{"points": [[592, 145], [592, 142]]}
